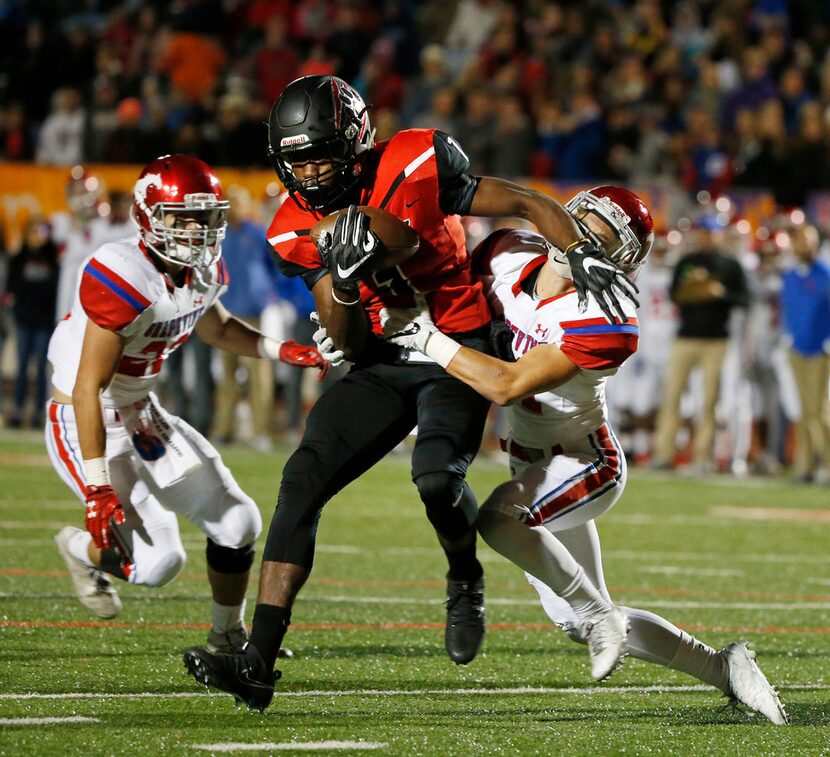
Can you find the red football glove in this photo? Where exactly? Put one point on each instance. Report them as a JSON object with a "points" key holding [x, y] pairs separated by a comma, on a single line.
{"points": [[306, 357], [101, 505]]}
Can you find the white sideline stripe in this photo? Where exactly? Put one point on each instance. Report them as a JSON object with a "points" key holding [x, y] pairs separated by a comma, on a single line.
{"points": [[676, 570], [47, 721], [292, 746], [517, 690], [501, 601], [716, 557], [31, 525]]}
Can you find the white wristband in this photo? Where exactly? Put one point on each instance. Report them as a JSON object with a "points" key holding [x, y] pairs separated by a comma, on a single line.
{"points": [[343, 302], [96, 472], [267, 347], [441, 348]]}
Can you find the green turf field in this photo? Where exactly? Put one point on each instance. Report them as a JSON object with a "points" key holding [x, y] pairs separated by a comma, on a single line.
{"points": [[725, 559]]}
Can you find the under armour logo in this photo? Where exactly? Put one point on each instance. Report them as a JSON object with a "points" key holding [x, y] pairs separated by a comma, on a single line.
{"points": [[540, 331], [198, 300]]}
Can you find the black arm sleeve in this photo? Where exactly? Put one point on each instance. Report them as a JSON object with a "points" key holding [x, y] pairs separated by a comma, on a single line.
{"points": [[456, 188]]}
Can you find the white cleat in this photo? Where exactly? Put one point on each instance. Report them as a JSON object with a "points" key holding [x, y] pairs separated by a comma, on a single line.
{"points": [[749, 686], [92, 586], [607, 640]]}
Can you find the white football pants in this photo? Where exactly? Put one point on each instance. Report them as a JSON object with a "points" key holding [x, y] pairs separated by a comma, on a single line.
{"points": [[209, 496]]}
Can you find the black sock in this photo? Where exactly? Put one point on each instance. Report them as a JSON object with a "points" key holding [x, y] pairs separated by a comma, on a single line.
{"points": [[463, 564], [269, 627], [111, 563]]}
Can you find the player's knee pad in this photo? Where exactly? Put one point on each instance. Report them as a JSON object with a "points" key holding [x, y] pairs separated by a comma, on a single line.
{"points": [[239, 526], [228, 559], [160, 570], [449, 503]]}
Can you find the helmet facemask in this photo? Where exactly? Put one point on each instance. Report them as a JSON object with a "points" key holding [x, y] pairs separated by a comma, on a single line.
{"points": [[626, 252], [172, 241], [325, 189]]}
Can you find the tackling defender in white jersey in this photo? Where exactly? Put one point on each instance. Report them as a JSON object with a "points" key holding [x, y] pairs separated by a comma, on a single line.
{"points": [[567, 466], [135, 465]]}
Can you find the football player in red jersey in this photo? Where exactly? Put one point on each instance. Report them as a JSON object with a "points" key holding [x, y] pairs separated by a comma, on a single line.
{"points": [[134, 465], [321, 144]]}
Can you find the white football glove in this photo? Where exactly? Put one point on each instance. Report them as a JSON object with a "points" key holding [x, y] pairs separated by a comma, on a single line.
{"points": [[408, 327], [325, 344]]}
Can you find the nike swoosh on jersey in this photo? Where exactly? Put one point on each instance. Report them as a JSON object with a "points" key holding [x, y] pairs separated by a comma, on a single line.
{"points": [[345, 273]]}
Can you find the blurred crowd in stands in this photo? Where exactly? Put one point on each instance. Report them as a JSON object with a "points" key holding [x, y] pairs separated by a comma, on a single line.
{"points": [[708, 93], [703, 97]]}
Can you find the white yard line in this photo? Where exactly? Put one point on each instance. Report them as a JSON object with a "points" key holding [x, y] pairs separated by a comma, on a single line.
{"points": [[291, 746], [676, 570], [48, 721], [518, 690]]}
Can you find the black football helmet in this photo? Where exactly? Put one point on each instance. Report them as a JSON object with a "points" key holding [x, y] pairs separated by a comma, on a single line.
{"points": [[319, 118]]}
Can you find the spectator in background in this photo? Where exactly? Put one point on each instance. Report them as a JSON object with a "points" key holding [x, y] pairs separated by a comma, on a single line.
{"points": [[756, 87], [15, 139], [514, 134], [239, 141], [440, 114], [475, 129], [61, 137], [75, 231], [277, 61], [192, 63], [805, 310], [101, 119], [5, 305], [33, 287], [706, 285], [763, 351], [251, 275], [419, 95], [126, 143], [117, 223]]}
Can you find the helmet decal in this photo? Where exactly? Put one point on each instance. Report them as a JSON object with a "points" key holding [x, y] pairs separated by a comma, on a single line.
{"points": [[141, 187]]}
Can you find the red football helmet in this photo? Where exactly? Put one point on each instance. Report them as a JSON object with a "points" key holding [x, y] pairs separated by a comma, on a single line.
{"points": [[182, 218], [623, 212]]}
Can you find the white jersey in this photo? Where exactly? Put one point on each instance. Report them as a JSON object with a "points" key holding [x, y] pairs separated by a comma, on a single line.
{"points": [[121, 290], [577, 407]]}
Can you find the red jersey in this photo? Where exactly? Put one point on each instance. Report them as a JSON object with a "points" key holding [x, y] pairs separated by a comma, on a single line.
{"points": [[405, 183]]}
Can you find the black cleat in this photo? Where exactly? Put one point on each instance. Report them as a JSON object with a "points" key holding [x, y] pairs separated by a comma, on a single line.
{"points": [[235, 674], [465, 619]]}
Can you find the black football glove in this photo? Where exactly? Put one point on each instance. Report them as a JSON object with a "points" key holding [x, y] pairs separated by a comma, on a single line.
{"points": [[593, 273], [501, 341], [348, 248]]}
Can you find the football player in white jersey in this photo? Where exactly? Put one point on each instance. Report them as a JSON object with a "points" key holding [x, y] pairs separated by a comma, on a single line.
{"points": [[135, 465], [567, 465]]}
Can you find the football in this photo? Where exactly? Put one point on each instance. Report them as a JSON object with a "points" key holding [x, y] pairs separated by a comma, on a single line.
{"points": [[399, 241]]}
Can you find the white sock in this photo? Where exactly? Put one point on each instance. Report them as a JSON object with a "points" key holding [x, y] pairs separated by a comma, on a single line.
{"points": [[701, 661], [655, 639], [540, 553], [584, 598], [225, 617], [78, 546]]}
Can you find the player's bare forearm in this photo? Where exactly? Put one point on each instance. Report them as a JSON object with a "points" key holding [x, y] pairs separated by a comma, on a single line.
{"points": [[346, 325], [99, 359], [220, 328], [542, 368], [499, 197]]}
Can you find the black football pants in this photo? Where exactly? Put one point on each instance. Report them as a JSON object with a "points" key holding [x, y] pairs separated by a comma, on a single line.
{"points": [[357, 422]]}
